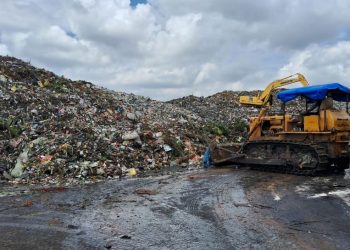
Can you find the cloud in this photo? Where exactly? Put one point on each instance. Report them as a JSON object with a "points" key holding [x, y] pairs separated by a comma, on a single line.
{"points": [[3, 49], [167, 48], [291, 24], [322, 64], [205, 73]]}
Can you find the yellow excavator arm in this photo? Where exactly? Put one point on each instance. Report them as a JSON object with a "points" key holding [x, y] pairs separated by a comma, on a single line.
{"points": [[262, 100]]}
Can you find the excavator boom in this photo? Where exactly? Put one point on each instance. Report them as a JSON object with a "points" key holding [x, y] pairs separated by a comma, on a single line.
{"points": [[262, 100]]}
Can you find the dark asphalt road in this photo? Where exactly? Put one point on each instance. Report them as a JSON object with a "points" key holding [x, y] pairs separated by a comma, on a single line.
{"points": [[224, 208]]}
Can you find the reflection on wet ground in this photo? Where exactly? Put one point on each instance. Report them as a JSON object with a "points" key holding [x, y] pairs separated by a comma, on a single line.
{"points": [[224, 208]]}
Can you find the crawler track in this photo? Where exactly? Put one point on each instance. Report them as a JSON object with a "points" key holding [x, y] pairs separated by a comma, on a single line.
{"points": [[289, 157]]}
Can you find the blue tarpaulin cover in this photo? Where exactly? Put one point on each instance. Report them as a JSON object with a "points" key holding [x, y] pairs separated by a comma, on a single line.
{"points": [[317, 93]]}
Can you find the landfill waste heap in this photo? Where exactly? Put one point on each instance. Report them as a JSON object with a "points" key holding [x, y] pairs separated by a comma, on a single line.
{"points": [[54, 129], [224, 110]]}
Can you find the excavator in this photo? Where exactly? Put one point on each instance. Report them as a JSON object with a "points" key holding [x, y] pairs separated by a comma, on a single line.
{"points": [[311, 142], [265, 98]]}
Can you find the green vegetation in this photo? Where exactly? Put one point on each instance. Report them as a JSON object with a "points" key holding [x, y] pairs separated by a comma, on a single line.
{"points": [[218, 129], [11, 126], [239, 127]]}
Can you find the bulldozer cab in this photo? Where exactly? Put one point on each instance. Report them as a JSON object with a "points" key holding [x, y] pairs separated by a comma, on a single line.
{"points": [[320, 113]]}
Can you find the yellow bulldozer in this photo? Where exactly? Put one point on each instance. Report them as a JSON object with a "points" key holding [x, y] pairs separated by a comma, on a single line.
{"points": [[311, 142]]}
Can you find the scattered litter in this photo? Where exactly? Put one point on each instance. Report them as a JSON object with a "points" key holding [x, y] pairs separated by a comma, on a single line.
{"points": [[14, 88], [45, 159], [127, 237], [276, 197], [70, 226], [132, 172], [167, 148], [28, 203]]}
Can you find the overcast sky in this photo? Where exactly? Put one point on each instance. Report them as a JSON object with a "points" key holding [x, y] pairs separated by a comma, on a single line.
{"points": [[171, 48]]}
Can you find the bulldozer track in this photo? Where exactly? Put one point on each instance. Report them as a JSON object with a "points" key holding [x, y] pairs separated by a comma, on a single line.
{"points": [[319, 163]]}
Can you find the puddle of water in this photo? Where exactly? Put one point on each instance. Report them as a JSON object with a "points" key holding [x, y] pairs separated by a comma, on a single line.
{"points": [[343, 194], [317, 196], [334, 186], [347, 174], [302, 188]]}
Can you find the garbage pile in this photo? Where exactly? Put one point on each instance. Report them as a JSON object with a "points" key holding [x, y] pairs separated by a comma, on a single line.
{"points": [[53, 128], [224, 109]]}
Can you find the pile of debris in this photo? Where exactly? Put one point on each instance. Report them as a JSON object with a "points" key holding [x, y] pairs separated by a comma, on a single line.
{"points": [[54, 128], [222, 108], [225, 110]]}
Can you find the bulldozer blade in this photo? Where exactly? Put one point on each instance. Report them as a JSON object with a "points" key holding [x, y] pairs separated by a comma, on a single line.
{"points": [[225, 154]]}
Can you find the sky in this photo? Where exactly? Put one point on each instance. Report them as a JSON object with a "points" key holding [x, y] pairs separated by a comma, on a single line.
{"points": [[166, 49]]}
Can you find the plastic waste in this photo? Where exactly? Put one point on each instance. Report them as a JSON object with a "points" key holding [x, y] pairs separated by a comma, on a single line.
{"points": [[207, 161], [132, 172]]}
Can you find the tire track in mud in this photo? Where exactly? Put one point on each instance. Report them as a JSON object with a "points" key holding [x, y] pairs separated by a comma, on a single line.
{"points": [[235, 213], [213, 197], [206, 209], [198, 198], [36, 226], [114, 211]]}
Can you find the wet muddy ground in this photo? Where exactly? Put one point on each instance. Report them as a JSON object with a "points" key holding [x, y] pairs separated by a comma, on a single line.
{"points": [[222, 208]]}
